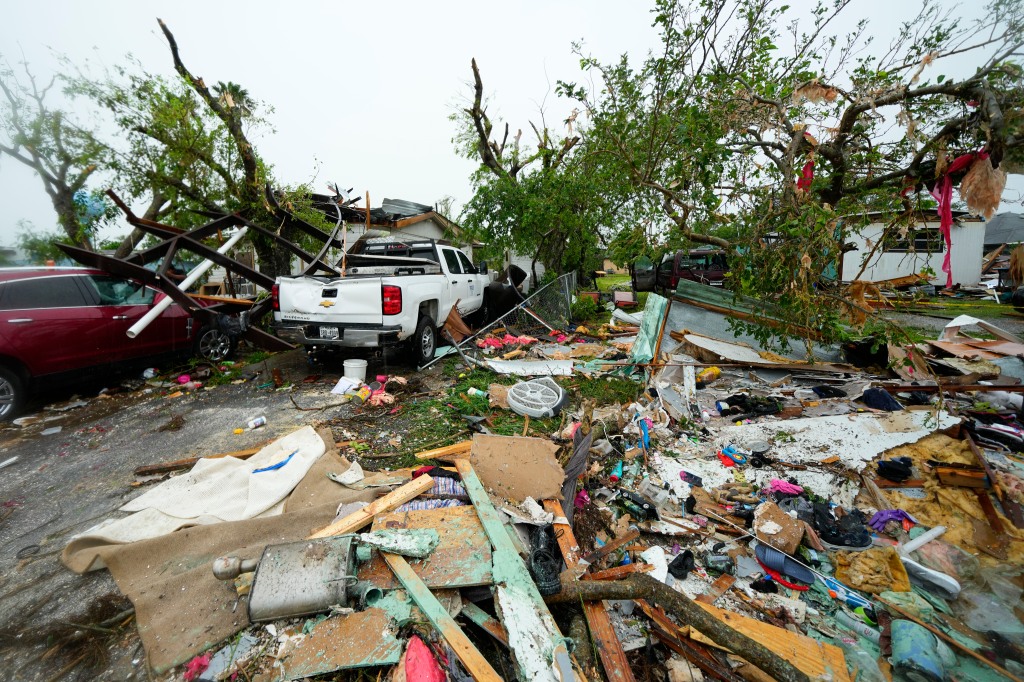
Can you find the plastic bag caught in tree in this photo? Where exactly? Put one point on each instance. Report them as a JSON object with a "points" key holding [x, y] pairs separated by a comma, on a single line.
{"points": [[982, 187]]}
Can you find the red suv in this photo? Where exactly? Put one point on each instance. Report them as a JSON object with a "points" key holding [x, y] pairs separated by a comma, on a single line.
{"points": [[59, 324]]}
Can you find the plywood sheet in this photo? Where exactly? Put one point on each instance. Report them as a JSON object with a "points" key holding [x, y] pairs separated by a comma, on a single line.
{"points": [[358, 640], [515, 468], [817, 659], [963, 350], [462, 557]]}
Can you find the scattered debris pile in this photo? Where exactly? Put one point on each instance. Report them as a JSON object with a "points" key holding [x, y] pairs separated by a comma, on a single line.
{"points": [[746, 516]]}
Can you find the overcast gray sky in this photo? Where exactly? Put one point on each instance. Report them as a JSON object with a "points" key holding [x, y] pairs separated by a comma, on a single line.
{"points": [[361, 91]]}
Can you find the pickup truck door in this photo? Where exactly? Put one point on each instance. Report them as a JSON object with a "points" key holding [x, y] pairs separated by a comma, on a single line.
{"points": [[458, 280], [476, 284]]}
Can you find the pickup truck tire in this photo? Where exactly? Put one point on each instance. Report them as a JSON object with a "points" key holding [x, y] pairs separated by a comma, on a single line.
{"points": [[214, 345], [12, 394], [423, 342]]}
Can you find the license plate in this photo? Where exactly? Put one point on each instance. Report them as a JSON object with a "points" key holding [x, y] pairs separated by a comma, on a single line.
{"points": [[328, 332]]}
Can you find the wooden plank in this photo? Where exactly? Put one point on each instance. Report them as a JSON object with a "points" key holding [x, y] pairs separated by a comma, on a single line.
{"points": [[610, 547], [189, 462], [486, 621], [475, 664], [537, 645], [673, 637], [718, 588], [618, 572], [963, 478], [447, 452], [886, 484], [817, 659], [364, 516], [609, 648], [462, 557]]}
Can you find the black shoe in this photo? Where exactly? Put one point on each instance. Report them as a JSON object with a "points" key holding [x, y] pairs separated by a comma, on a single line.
{"points": [[849, 533]]}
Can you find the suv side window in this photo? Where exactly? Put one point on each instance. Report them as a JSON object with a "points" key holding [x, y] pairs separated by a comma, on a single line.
{"points": [[666, 266], [110, 290], [451, 258], [466, 265], [42, 292]]}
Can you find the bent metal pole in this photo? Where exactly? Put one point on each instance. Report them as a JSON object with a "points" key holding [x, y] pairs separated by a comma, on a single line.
{"points": [[191, 279]]}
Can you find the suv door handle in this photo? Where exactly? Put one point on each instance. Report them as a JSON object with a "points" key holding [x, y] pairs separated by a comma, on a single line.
{"points": [[455, 281], [119, 317], [20, 320]]}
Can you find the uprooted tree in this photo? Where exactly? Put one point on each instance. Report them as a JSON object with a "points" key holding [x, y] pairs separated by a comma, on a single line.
{"points": [[774, 138]]}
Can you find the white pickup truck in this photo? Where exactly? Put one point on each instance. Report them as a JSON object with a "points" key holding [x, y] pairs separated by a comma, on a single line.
{"points": [[389, 292]]}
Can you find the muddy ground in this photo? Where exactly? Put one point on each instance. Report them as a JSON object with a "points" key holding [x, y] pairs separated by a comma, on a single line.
{"points": [[57, 625]]}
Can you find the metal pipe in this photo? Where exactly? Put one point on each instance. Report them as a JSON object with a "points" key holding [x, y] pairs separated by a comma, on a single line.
{"points": [[189, 280]]}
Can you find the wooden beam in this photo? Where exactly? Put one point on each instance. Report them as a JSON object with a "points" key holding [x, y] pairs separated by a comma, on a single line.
{"points": [[448, 452], [618, 572], [486, 621], [609, 648], [610, 547], [189, 462], [364, 516], [475, 664]]}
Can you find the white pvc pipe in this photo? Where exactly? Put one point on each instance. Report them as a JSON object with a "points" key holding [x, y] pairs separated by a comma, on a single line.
{"points": [[189, 280], [924, 538]]}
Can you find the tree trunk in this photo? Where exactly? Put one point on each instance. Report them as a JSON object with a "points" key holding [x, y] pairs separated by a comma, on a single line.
{"points": [[642, 586], [64, 204]]}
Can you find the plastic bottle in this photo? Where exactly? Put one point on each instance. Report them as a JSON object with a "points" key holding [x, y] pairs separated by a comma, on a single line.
{"points": [[256, 423], [861, 628], [474, 392], [616, 472]]}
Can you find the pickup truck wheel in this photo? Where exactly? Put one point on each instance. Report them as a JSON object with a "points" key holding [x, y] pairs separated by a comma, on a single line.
{"points": [[423, 342], [12, 394], [214, 345]]}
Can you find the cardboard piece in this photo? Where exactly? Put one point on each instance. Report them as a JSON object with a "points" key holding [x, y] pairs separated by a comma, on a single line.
{"points": [[515, 468], [777, 528]]}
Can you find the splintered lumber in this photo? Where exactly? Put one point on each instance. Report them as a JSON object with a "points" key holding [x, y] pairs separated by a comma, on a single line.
{"points": [[485, 620], [609, 648], [475, 664], [533, 637], [618, 572], [449, 451], [700, 617], [364, 516], [610, 547], [696, 653]]}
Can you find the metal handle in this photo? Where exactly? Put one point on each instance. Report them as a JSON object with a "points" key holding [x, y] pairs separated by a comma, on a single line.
{"points": [[120, 317], [20, 320], [455, 281]]}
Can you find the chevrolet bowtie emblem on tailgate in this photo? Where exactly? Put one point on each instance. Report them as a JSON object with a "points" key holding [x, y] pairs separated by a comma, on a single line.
{"points": [[327, 304]]}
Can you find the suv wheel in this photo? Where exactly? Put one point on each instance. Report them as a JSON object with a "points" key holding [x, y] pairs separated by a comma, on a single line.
{"points": [[12, 394], [214, 345], [423, 342]]}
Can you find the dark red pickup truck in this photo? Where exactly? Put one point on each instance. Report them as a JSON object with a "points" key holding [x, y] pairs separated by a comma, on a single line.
{"points": [[699, 265]]}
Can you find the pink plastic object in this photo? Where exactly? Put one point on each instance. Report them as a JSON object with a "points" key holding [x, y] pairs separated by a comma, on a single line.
{"points": [[184, 379], [582, 498], [420, 664], [779, 486]]}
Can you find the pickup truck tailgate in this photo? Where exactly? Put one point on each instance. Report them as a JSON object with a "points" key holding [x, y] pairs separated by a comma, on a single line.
{"points": [[339, 301]]}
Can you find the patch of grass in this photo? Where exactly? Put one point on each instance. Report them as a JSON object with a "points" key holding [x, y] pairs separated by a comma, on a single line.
{"points": [[254, 357], [608, 281], [604, 390]]}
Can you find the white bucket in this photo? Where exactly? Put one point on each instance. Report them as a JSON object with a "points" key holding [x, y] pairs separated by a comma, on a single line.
{"points": [[355, 369]]}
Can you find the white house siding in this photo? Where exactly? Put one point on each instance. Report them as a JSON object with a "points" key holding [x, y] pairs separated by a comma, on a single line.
{"points": [[965, 256]]}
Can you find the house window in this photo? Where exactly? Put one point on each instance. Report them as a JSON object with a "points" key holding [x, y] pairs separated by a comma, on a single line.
{"points": [[921, 240]]}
